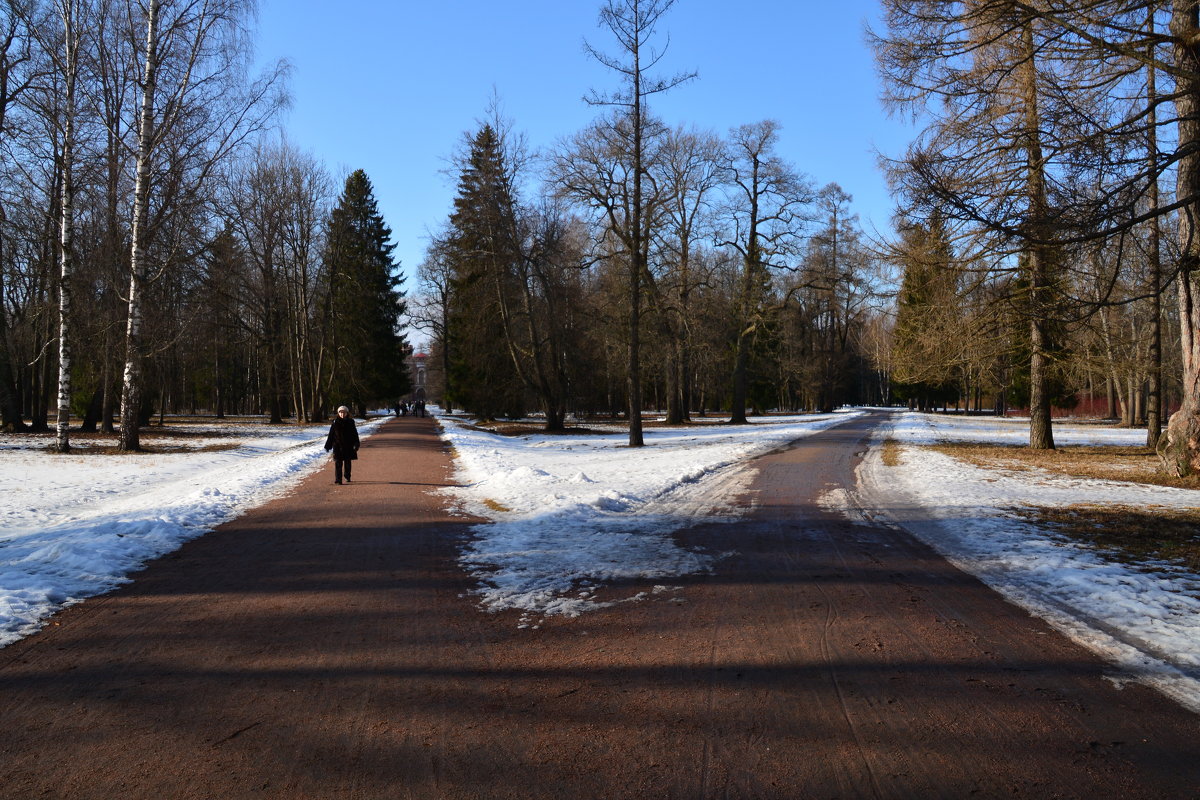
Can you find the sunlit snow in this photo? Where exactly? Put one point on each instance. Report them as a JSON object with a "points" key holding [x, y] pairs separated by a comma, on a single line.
{"points": [[575, 515], [1146, 620], [573, 512]]}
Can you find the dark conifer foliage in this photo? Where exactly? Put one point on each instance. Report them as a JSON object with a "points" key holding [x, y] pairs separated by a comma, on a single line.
{"points": [[482, 251], [365, 301], [927, 314], [222, 327]]}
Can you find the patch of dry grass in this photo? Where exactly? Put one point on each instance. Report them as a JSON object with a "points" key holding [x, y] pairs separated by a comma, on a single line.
{"points": [[157, 438], [1131, 534], [1131, 464], [891, 453]]}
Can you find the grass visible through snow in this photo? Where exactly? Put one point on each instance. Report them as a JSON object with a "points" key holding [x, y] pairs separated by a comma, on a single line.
{"points": [[1131, 534], [891, 453], [1112, 463]]}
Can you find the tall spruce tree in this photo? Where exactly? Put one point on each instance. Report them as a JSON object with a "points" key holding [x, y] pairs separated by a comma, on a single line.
{"points": [[925, 348], [365, 302], [483, 250]]}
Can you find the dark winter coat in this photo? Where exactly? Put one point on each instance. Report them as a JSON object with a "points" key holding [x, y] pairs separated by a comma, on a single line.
{"points": [[343, 439]]}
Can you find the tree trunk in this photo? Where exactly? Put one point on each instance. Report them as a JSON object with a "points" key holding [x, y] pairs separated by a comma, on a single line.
{"points": [[741, 362], [106, 408], [62, 442], [1181, 455], [40, 377], [131, 387], [1129, 418], [634, 383], [1154, 356], [91, 418], [1041, 435]]}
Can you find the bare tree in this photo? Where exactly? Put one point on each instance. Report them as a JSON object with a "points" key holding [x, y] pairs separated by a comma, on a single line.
{"points": [[131, 390], [430, 310], [195, 109], [1017, 123], [19, 70], [767, 200], [691, 169], [76, 18], [263, 200], [632, 24]]}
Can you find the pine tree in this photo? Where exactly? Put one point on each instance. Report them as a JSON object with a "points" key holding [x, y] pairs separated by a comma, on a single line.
{"points": [[364, 302]]}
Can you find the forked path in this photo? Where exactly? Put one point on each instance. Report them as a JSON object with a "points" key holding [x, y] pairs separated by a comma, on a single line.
{"points": [[326, 646]]}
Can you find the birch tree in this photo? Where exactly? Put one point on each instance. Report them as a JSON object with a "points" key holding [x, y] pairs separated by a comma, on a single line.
{"points": [[76, 17], [195, 97], [131, 388]]}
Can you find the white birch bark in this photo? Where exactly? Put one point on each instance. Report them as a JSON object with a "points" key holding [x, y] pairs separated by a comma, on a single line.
{"points": [[131, 387], [67, 225]]}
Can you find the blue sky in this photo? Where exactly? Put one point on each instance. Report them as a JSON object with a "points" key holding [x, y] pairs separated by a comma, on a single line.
{"points": [[390, 86]]}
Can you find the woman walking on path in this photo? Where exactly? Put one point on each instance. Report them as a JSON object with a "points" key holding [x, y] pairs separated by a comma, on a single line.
{"points": [[343, 441]]}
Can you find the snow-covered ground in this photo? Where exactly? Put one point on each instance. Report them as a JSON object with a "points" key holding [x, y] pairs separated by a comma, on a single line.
{"points": [[73, 526], [574, 512], [1145, 620]]}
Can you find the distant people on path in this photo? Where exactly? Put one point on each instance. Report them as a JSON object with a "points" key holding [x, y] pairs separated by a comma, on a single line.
{"points": [[416, 408], [343, 441]]}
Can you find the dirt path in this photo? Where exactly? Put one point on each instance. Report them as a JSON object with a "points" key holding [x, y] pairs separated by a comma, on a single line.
{"points": [[323, 646]]}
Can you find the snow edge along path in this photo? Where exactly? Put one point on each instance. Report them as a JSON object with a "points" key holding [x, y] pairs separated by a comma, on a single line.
{"points": [[571, 515], [87, 551], [1138, 622]]}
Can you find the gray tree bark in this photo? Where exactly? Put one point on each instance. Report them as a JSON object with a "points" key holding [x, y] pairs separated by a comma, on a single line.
{"points": [[1181, 456]]}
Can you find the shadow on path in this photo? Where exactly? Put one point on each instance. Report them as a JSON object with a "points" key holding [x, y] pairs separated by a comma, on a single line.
{"points": [[327, 645]]}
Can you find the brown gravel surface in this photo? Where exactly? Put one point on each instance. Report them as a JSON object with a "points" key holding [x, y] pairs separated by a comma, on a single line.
{"points": [[325, 646]]}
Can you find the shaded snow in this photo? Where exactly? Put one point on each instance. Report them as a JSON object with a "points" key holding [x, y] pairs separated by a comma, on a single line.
{"points": [[1145, 620], [76, 525], [585, 511], [576, 515]]}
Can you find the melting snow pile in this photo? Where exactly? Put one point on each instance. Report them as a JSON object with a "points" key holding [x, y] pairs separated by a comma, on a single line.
{"points": [[573, 512]]}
